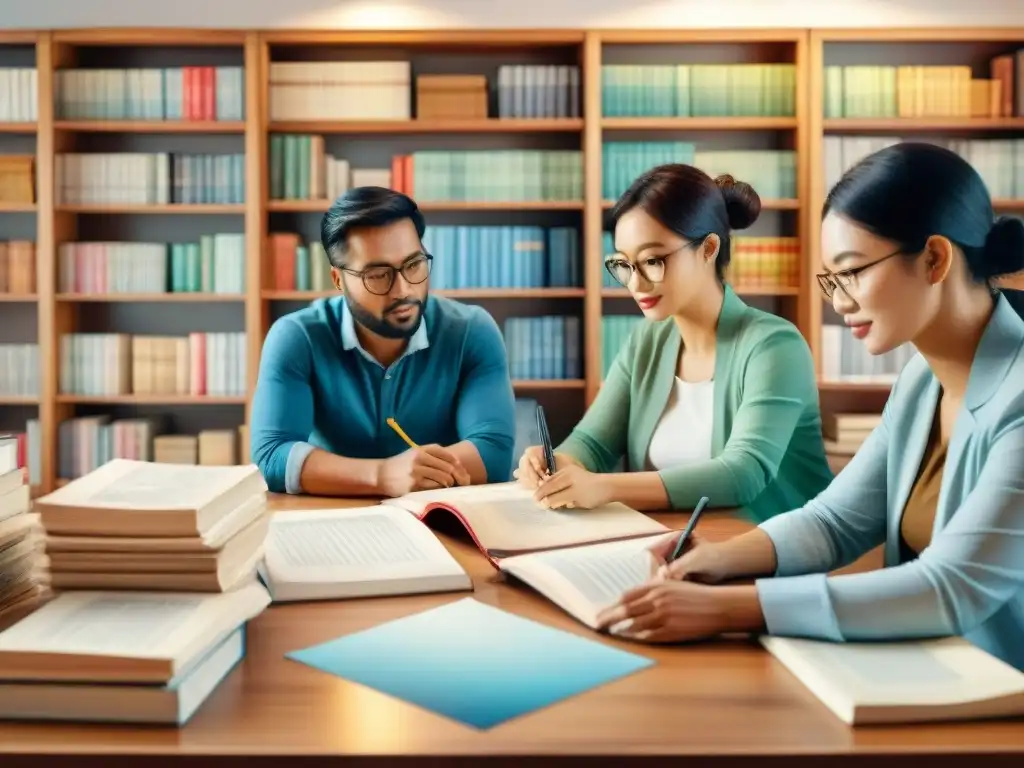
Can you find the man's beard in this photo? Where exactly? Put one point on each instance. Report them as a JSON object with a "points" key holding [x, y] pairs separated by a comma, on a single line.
{"points": [[380, 325]]}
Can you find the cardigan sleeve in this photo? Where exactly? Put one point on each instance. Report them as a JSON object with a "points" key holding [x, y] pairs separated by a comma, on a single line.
{"points": [[972, 567], [599, 441], [779, 381]]}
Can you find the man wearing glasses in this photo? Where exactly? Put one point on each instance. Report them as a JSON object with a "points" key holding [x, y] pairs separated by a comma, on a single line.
{"points": [[333, 374]]}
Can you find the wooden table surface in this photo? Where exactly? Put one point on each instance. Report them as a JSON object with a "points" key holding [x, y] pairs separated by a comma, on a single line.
{"points": [[726, 702]]}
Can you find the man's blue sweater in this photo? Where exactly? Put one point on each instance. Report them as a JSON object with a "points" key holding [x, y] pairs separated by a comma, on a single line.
{"points": [[318, 387]]}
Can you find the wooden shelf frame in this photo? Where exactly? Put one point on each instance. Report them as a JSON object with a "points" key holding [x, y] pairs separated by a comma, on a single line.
{"points": [[818, 127], [57, 224]]}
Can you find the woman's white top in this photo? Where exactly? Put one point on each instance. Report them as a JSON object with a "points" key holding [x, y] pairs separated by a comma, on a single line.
{"points": [[683, 435]]}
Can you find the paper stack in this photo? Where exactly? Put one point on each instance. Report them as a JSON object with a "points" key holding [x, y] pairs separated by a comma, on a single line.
{"points": [[132, 657], [139, 525], [23, 579]]}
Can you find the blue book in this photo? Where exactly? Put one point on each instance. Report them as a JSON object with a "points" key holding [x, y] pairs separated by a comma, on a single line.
{"points": [[473, 663]]}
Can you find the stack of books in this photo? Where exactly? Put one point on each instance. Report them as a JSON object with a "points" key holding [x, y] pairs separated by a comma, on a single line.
{"points": [[139, 525], [844, 434], [23, 582], [128, 657]]}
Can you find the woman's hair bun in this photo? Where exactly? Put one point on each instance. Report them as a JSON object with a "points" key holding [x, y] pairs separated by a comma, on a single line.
{"points": [[742, 203], [1004, 247]]}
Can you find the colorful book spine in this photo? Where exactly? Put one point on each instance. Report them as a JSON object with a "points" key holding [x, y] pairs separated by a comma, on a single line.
{"points": [[544, 347]]}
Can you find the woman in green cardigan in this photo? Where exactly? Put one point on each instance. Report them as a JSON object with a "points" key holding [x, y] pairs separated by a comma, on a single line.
{"points": [[709, 397]]}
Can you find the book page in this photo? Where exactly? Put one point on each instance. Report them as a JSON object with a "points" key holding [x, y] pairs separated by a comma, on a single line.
{"points": [[353, 544], [131, 624], [506, 519], [923, 672], [142, 485], [586, 580]]}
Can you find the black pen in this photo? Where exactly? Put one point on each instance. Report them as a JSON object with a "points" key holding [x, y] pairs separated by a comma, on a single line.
{"points": [[689, 528], [545, 440]]}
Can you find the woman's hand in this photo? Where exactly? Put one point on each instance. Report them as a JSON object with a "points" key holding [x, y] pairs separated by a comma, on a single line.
{"points": [[573, 487], [668, 612], [700, 561], [533, 468]]}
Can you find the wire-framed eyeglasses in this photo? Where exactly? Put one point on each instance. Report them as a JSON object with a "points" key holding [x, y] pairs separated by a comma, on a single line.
{"points": [[380, 278], [846, 279], [651, 268]]}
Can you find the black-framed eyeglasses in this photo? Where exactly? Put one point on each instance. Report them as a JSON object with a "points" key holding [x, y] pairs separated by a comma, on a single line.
{"points": [[846, 278], [651, 268], [380, 278]]}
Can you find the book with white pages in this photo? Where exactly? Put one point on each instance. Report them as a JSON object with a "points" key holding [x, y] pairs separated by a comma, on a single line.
{"points": [[912, 681], [211, 541], [173, 703], [123, 637], [583, 581], [504, 520], [148, 499], [329, 554]]}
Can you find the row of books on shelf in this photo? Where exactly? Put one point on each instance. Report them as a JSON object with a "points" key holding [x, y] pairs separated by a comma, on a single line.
{"points": [[215, 264], [908, 91], [300, 169], [17, 179], [546, 347], [698, 90], [844, 358], [17, 267], [106, 364], [761, 263], [19, 95], [19, 369], [140, 178], [999, 162], [166, 93], [389, 90], [88, 442], [771, 172]]}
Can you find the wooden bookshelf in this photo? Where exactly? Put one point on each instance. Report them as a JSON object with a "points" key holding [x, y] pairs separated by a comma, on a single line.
{"points": [[962, 47], [45, 314]]}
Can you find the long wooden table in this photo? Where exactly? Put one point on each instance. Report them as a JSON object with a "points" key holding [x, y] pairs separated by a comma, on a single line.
{"points": [[725, 702]]}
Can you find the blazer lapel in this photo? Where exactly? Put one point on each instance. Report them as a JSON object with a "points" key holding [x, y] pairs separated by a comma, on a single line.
{"points": [[725, 343], [908, 453]]}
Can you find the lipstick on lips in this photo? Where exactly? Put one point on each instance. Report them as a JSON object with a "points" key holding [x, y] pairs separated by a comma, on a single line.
{"points": [[860, 330], [648, 301]]}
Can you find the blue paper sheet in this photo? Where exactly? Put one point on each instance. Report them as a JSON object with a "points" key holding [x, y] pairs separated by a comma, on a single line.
{"points": [[471, 662]]}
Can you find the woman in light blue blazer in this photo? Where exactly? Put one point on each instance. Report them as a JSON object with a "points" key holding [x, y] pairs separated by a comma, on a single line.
{"points": [[910, 247]]}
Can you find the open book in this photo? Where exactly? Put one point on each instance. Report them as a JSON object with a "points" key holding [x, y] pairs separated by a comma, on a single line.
{"points": [[903, 682], [504, 520], [328, 554], [583, 581]]}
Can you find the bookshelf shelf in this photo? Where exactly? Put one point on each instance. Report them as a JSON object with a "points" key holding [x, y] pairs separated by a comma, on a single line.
{"points": [[320, 206], [525, 384], [767, 204], [154, 126], [171, 298], [18, 400], [457, 293], [731, 136], [699, 123], [923, 124], [170, 209], [151, 400], [489, 125]]}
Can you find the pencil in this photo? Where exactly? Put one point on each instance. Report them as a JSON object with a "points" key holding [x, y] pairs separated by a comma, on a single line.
{"points": [[394, 425]]}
